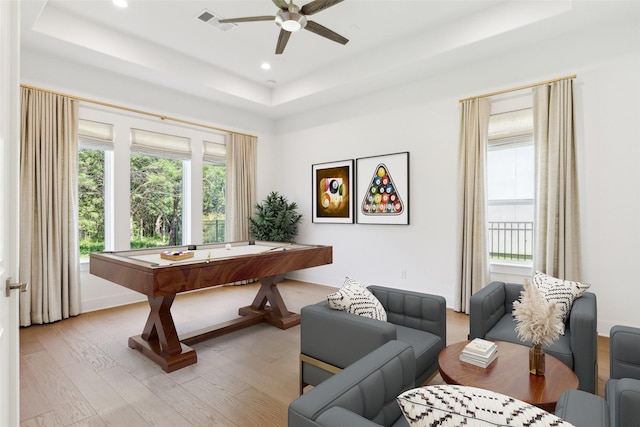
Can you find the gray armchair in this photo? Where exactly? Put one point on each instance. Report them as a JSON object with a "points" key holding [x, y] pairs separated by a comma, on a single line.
{"points": [[364, 394], [490, 317], [331, 340], [623, 387], [622, 405]]}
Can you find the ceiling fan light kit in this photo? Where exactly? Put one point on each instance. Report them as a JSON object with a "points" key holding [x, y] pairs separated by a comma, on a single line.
{"points": [[291, 21], [291, 18]]}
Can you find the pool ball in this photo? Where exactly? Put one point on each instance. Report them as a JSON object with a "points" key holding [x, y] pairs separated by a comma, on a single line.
{"points": [[397, 207], [382, 171], [373, 189], [385, 198], [377, 181], [326, 201], [385, 180], [377, 198], [389, 189], [333, 186]]}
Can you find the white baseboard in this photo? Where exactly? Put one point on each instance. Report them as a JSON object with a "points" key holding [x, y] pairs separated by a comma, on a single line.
{"points": [[111, 301]]}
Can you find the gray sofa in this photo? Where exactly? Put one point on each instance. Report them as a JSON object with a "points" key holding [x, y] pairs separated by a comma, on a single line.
{"points": [[621, 406], [490, 317], [331, 340], [363, 394]]}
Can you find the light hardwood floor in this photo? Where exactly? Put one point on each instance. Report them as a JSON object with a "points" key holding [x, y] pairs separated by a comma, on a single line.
{"points": [[80, 372]]}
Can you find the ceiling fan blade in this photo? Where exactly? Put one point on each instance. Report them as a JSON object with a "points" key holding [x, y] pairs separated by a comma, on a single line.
{"points": [[248, 19], [281, 4], [320, 30], [283, 38], [317, 6]]}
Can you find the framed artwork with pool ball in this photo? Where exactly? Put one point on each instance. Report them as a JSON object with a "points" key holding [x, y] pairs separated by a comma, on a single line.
{"points": [[332, 192], [382, 195]]}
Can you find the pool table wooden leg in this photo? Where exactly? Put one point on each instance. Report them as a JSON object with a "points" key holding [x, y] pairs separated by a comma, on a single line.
{"points": [[159, 340], [276, 312]]}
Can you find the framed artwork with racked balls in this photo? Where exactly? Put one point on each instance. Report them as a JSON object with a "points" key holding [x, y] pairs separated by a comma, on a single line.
{"points": [[382, 195], [332, 192]]}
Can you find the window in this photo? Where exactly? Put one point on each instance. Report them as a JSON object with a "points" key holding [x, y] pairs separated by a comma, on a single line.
{"points": [[156, 188], [214, 173], [144, 183], [510, 181], [95, 160]]}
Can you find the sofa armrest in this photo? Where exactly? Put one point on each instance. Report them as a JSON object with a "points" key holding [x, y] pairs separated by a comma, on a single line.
{"points": [[340, 417], [486, 308], [414, 310], [583, 323], [367, 388], [624, 345], [583, 409], [623, 397], [340, 338]]}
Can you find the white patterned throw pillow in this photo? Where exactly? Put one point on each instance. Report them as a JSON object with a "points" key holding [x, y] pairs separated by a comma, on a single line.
{"points": [[354, 298], [453, 405], [562, 292]]}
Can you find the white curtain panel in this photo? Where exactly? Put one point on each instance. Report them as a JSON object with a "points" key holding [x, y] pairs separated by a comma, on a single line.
{"points": [[241, 185], [49, 258], [472, 183], [557, 222]]}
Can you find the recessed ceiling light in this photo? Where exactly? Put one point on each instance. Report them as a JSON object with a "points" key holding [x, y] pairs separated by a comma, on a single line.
{"points": [[265, 66], [120, 3]]}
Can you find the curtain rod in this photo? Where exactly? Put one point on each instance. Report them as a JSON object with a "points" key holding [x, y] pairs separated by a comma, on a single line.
{"points": [[500, 92], [133, 110]]}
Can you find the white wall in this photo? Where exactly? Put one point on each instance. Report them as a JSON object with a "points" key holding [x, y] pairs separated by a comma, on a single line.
{"points": [[422, 117]]}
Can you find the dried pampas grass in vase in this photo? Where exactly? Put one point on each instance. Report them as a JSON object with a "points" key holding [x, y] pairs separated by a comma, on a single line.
{"points": [[539, 321]]}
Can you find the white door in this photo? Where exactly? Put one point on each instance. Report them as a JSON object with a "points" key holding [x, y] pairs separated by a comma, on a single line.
{"points": [[9, 203]]}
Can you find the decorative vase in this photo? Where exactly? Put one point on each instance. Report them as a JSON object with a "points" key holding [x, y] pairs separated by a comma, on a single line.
{"points": [[536, 360]]}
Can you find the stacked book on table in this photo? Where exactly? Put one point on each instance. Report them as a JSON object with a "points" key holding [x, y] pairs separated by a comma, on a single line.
{"points": [[479, 352]]}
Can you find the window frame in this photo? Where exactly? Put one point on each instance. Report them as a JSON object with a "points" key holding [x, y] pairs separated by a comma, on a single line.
{"points": [[521, 135], [117, 172], [102, 139]]}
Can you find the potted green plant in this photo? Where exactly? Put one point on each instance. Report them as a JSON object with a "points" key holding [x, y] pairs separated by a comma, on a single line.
{"points": [[275, 219]]}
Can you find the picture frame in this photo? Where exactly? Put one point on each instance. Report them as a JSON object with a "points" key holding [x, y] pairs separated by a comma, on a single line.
{"points": [[382, 195], [332, 192]]}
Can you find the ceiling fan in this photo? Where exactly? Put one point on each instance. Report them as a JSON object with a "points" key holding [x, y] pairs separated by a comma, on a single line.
{"points": [[292, 18]]}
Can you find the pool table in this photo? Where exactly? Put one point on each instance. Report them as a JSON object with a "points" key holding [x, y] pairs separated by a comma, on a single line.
{"points": [[161, 273]]}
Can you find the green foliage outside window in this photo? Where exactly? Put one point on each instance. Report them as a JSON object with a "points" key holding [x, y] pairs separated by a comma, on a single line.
{"points": [[213, 202], [91, 201], [156, 201], [156, 189]]}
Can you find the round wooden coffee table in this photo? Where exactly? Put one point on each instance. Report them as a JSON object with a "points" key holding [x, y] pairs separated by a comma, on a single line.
{"points": [[509, 374]]}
